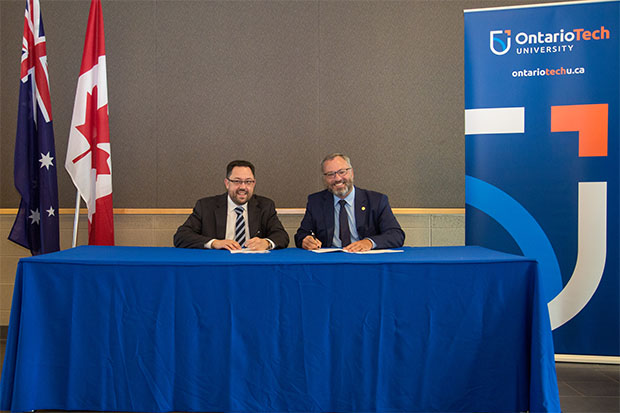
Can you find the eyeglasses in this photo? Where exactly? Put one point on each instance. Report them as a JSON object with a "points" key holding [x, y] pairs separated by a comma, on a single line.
{"points": [[247, 182], [340, 172]]}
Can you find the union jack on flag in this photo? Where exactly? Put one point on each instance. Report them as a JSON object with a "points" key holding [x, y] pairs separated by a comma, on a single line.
{"points": [[36, 224]]}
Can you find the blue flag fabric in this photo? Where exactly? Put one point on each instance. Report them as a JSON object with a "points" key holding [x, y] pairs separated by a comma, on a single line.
{"points": [[36, 224]]}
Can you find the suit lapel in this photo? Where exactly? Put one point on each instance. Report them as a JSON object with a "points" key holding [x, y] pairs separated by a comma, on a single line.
{"points": [[221, 212], [328, 213], [361, 212], [254, 219]]}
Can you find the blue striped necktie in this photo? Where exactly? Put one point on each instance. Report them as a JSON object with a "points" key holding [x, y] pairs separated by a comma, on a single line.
{"points": [[240, 226]]}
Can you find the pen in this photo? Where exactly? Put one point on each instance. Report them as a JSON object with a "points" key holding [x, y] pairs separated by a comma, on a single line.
{"points": [[313, 235]]}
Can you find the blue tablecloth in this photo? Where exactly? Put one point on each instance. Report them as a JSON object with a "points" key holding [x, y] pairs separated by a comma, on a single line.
{"points": [[164, 329]]}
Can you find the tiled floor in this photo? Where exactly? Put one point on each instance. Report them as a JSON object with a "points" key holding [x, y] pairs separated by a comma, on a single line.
{"points": [[586, 388], [589, 387]]}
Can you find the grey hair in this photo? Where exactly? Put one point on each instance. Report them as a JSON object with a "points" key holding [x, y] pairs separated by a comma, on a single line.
{"points": [[336, 155]]}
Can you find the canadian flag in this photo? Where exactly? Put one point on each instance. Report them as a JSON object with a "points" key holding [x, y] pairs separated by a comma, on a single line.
{"points": [[89, 161]]}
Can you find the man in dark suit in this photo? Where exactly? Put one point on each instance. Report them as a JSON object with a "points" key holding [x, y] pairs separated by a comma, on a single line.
{"points": [[346, 216], [234, 220]]}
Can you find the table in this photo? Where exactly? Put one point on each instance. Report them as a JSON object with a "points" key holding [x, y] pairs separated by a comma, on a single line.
{"points": [[164, 329]]}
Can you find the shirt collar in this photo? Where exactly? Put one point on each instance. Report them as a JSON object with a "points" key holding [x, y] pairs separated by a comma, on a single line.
{"points": [[349, 198], [232, 205]]}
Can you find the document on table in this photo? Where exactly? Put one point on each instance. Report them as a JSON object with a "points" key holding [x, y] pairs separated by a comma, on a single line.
{"points": [[248, 251], [321, 250], [376, 252]]}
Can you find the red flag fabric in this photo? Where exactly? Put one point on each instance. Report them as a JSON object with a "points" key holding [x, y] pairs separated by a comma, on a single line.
{"points": [[89, 161]]}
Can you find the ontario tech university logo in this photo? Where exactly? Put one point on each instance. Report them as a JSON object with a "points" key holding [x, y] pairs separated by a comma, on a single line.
{"points": [[499, 39], [561, 41]]}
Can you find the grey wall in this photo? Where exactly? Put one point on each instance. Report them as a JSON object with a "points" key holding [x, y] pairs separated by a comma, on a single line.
{"points": [[195, 84]]}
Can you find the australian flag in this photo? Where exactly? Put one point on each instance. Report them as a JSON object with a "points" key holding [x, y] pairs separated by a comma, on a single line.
{"points": [[36, 224]]}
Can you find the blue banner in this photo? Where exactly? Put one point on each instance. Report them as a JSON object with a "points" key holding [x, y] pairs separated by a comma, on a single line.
{"points": [[541, 156]]}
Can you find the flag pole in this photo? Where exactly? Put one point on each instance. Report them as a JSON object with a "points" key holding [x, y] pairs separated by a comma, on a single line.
{"points": [[76, 219]]}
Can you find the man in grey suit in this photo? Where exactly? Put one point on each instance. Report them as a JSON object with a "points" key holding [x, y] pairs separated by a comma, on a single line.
{"points": [[234, 220], [346, 216]]}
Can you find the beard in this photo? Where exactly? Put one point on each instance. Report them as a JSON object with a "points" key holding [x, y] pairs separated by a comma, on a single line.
{"points": [[341, 191], [240, 196]]}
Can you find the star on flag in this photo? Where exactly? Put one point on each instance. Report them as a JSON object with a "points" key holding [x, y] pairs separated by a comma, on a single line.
{"points": [[46, 160], [35, 216]]}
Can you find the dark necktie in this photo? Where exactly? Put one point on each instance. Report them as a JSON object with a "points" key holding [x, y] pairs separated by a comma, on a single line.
{"points": [[240, 226], [345, 233]]}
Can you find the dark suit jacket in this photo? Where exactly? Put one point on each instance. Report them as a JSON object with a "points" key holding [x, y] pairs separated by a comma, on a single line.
{"points": [[208, 221], [373, 218]]}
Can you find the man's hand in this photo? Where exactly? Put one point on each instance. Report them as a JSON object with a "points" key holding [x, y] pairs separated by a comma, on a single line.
{"points": [[361, 245], [311, 243], [225, 244], [257, 244]]}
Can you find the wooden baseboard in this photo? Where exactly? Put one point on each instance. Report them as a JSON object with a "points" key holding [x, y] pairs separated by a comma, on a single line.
{"points": [[282, 211], [575, 358]]}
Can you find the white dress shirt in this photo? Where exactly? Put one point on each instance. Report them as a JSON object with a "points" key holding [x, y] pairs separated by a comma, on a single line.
{"points": [[231, 221]]}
